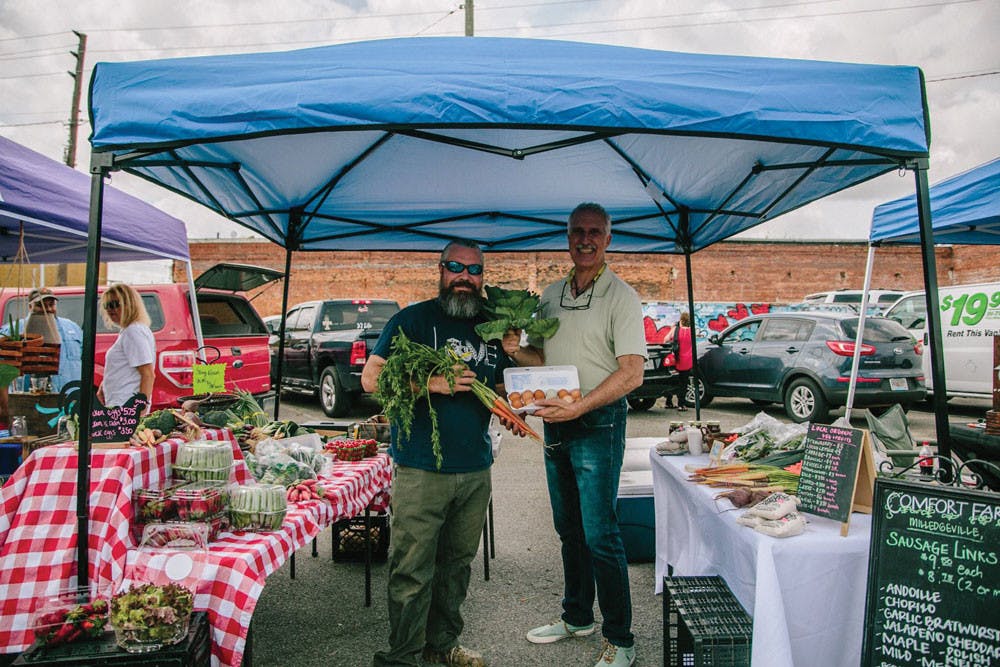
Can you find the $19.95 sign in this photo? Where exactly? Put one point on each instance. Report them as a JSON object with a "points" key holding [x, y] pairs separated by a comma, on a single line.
{"points": [[933, 590]]}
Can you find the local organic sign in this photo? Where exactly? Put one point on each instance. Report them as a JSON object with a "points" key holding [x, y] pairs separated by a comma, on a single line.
{"points": [[933, 590], [118, 423], [829, 483]]}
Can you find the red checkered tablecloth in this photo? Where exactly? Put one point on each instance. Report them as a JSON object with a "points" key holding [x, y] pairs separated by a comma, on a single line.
{"points": [[238, 563], [38, 534]]}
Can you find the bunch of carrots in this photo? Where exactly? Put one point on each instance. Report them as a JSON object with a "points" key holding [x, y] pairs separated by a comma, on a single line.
{"points": [[405, 379], [766, 477]]}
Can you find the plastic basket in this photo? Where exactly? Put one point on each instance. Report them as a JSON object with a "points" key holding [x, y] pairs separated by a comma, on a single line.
{"points": [[349, 539], [704, 624]]}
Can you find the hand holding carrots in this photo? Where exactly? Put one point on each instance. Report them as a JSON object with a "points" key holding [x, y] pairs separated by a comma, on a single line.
{"points": [[438, 384]]}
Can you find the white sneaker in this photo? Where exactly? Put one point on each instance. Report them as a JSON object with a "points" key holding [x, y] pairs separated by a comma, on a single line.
{"points": [[553, 632]]}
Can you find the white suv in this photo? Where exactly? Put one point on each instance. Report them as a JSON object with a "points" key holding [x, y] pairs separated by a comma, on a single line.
{"points": [[880, 298]]}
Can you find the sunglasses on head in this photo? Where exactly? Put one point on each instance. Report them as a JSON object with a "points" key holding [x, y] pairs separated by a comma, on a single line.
{"points": [[112, 305], [457, 267]]}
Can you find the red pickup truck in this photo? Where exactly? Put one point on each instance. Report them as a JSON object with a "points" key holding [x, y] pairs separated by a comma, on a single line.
{"points": [[232, 330]]}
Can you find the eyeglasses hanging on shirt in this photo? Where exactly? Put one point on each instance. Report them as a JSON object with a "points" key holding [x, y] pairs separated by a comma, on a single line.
{"points": [[589, 290]]}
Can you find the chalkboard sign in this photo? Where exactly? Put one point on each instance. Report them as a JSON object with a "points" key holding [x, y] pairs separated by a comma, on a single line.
{"points": [[829, 482], [116, 424], [933, 593]]}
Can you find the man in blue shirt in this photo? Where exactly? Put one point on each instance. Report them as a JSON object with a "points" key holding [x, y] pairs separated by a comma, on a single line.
{"points": [[44, 304], [438, 512]]}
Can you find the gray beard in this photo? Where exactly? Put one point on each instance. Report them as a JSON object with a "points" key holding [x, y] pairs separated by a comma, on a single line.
{"points": [[460, 305]]}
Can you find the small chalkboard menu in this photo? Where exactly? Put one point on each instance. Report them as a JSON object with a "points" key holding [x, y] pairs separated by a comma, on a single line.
{"points": [[838, 471], [933, 590], [114, 425]]}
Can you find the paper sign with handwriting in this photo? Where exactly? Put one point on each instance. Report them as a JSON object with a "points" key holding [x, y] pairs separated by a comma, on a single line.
{"points": [[208, 378]]}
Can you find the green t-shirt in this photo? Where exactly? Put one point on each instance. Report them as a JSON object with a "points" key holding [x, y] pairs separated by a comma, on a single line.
{"points": [[462, 419], [592, 337]]}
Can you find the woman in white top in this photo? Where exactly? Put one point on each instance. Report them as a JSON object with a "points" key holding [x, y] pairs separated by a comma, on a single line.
{"points": [[128, 367]]}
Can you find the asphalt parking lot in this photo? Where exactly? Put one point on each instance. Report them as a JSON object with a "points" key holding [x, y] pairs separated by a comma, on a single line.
{"points": [[319, 618]]}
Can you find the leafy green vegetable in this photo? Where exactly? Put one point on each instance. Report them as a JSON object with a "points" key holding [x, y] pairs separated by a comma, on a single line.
{"points": [[8, 373], [163, 420], [152, 609], [403, 381], [514, 309]]}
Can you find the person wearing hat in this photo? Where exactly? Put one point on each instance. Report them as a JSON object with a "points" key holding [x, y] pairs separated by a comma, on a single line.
{"points": [[44, 319]]}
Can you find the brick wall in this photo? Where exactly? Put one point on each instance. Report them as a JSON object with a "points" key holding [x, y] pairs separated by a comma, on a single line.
{"points": [[730, 271]]}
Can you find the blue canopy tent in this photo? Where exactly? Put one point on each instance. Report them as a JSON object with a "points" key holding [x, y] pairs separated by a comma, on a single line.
{"points": [[964, 209], [402, 144]]}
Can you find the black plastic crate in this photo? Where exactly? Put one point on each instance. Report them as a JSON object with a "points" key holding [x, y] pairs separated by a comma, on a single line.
{"points": [[703, 624], [194, 651], [349, 539]]}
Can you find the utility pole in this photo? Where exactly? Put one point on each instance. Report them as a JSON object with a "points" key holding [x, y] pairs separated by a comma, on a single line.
{"points": [[74, 114], [62, 270], [468, 18]]}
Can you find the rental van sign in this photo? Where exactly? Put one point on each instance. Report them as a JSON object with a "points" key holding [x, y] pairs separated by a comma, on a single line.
{"points": [[973, 314]]}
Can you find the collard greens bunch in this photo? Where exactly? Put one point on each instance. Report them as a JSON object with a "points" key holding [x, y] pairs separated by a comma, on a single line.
{"points": [[514, 309]]}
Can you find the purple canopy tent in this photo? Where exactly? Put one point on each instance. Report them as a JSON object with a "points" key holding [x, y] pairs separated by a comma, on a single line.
{"points": [[50, 203]]}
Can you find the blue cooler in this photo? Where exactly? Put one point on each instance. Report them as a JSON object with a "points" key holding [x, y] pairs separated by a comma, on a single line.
{"points": [[10, 458], [636, 516]]}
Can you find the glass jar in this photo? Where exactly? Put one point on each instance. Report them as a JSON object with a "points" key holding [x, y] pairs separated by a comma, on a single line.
{"points": [[18, 426]]}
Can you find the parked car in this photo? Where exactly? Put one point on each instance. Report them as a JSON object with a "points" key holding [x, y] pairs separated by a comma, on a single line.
{"points": [[880, 298], [803, 360], [659, 377], [232, 330], [970, 318], [327, 344], [273, 324]]}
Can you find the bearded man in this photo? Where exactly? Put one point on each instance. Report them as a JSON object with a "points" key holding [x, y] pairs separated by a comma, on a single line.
{"points": [[438, 512]]}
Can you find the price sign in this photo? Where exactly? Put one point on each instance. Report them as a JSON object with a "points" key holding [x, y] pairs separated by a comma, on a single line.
{"points": [[208, 378], [837, 472], [118, 423], [933, 589]]}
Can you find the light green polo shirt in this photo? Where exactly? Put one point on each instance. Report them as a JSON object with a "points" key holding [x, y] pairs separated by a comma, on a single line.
{"points": [[593, 338]]}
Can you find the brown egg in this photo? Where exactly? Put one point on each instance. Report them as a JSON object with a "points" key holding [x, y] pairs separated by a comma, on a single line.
{"points": [[515, 400], [562, 393], [528, 397], [539, 394], [575, 394]]}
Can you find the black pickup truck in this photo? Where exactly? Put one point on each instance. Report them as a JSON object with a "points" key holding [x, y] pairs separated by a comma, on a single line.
{"points": [[326, 346]]}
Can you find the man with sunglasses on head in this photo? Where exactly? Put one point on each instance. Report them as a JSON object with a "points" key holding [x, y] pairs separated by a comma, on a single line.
{"points": [[601, 334], [438, 513]]}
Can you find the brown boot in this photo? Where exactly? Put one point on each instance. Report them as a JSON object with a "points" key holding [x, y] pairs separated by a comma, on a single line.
{"points": [[457, 656]]}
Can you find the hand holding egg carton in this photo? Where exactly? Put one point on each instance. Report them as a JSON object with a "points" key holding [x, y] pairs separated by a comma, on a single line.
{"points": [[529, 384]]}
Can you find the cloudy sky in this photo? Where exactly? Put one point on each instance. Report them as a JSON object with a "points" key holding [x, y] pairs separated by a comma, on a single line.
{"points": [[954, 42]]}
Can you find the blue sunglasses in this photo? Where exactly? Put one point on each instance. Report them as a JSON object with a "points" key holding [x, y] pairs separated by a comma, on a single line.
{"points": [[457, 267]]}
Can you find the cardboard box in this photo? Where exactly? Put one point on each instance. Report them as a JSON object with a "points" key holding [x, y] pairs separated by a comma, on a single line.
{"points": [[528, 384]]}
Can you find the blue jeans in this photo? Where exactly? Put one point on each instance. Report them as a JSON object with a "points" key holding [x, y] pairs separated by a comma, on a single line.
{"points": [[583, 459]]}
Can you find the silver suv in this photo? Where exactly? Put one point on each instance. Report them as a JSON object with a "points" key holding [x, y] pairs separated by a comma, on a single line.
{"points": [[803, 360]]}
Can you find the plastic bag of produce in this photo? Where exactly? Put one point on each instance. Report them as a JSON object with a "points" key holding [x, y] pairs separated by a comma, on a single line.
{"points": [[775, 506], [787, 526]]}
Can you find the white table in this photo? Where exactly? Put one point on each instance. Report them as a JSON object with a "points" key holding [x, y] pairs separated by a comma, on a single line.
{"points": [[806, 593]]}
